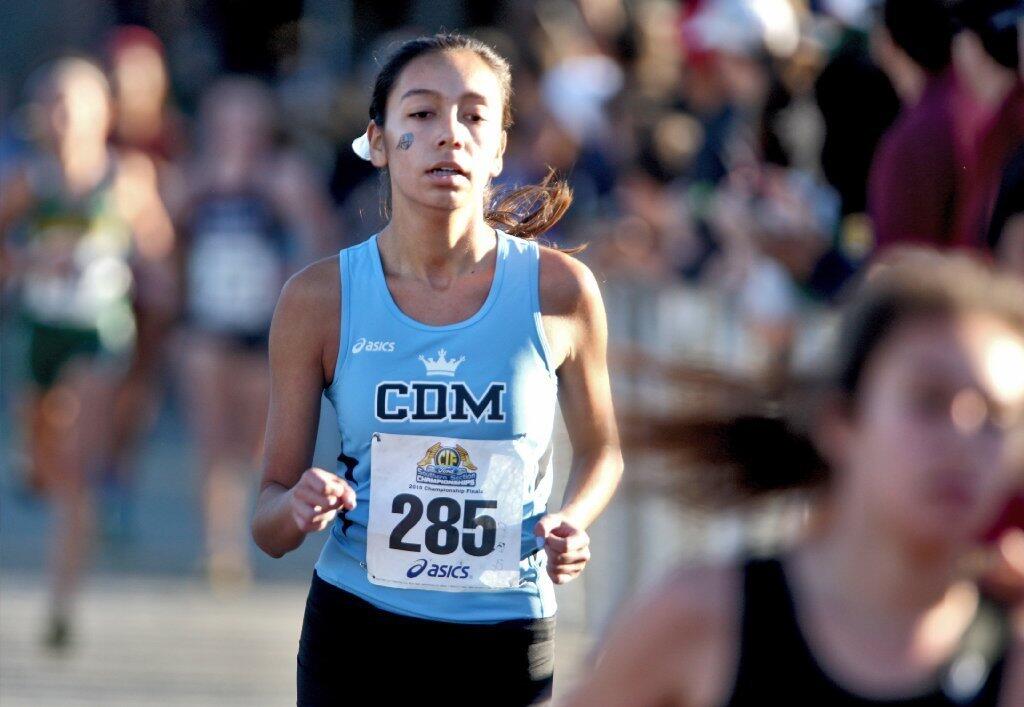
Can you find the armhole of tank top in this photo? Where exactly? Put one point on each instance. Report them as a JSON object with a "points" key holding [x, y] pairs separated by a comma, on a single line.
{"points": [[538, 318], [345, 323]]}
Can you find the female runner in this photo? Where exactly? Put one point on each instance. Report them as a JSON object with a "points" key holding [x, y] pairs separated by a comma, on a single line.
{"points": [[441, 342], [879, 604], [78, 221], [252, 215]]}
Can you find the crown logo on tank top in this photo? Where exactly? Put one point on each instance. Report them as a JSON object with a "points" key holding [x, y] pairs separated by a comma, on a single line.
{"points": [[441, 366]]}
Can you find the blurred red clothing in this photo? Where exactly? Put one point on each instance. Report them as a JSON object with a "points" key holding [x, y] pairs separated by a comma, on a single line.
{"points": [[920, 167], [997, 140], [1012, 516]]}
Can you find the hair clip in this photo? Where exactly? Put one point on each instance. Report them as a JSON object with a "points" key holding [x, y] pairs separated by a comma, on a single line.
{"points": [[361, 146]]}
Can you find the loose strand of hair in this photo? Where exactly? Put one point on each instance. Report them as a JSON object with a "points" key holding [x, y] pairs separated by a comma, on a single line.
{"points": [[530, 211]]}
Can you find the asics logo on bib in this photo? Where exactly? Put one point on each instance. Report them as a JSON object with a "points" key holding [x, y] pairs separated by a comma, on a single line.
{"points": [[364, 345], [417, 568], [433, 401], [459, 571]]}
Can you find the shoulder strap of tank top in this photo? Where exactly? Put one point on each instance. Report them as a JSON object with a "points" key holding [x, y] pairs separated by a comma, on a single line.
{"points": [[769, 636], [521, 299], [348, 291], [365, 297], [515, 275], [773, 655], [769, 618]]}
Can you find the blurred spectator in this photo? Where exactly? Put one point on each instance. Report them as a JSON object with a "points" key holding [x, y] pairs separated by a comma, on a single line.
{"points": [[566, 84], [254, 213], [1005, 235], [988, 52], [726, 45], [763, 207], [145, 118], [858, 104], [917, 171], [79, 219], [145, 122]]}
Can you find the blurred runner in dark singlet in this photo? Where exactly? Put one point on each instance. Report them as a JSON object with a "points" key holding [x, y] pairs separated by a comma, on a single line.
{"points": [[253, 215]]}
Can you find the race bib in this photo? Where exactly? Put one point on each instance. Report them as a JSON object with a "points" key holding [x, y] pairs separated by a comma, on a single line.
{"points": [[234, 280], [445, 514], [73, 278]]}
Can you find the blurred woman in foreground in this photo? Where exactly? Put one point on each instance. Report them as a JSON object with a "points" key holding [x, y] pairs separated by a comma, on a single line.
{"points": [[913, 452]]}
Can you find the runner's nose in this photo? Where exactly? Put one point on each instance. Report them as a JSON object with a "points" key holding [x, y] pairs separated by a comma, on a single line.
{"points": [[451, 134]]}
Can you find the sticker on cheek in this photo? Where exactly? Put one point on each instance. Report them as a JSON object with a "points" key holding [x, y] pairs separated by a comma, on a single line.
{"points": [[405, 142]]}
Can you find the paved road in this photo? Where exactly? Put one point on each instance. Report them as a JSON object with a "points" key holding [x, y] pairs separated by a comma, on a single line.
{"points": [[169, 641]]}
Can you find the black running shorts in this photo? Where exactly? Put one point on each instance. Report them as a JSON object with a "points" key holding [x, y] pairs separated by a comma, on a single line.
{"points": [[352, 653]]}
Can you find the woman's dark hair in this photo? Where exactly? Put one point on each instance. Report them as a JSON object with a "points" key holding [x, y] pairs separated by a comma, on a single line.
{"points": [[768, 446], [527, 211], [924, 29]]}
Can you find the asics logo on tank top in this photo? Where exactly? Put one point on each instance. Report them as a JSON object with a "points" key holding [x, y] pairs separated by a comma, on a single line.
{"points": [[366, 345], [438, 400]]}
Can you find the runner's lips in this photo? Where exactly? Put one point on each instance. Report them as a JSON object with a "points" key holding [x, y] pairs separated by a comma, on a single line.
{"points": [[452, 166]]}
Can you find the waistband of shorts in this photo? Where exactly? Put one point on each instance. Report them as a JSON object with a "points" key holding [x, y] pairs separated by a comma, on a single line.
{"points": [[542, 628]]}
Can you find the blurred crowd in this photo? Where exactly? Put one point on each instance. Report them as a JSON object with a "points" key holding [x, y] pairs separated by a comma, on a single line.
{"points": [[159, 184]]}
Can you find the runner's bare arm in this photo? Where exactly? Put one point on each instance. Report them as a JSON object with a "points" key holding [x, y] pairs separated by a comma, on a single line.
{"points": [[295, 499], [15, 200], [578, 336], [577, 333]]}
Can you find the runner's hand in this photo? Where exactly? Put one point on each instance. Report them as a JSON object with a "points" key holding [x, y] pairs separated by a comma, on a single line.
{"points": [[316, 498], [567, 546]]}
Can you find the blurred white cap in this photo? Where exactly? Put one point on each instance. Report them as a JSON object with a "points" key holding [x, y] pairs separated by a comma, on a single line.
{"points": [[744, 26], [576, 90]]}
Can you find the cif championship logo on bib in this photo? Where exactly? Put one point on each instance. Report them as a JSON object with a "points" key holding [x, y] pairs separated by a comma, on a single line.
{"points": [[446, 466]]}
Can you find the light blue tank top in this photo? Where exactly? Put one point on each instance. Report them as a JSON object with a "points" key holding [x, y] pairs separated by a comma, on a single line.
{"points": [[498, 384]]}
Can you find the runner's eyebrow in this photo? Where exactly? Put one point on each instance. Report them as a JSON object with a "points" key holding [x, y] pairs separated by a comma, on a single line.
{"points": [[412, 92]]}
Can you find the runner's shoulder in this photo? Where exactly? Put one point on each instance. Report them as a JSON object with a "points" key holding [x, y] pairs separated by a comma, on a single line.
{"points": [[567, 285], [315, 284], [309, 300], [677, 614], [698, 598], [672, 643]]}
